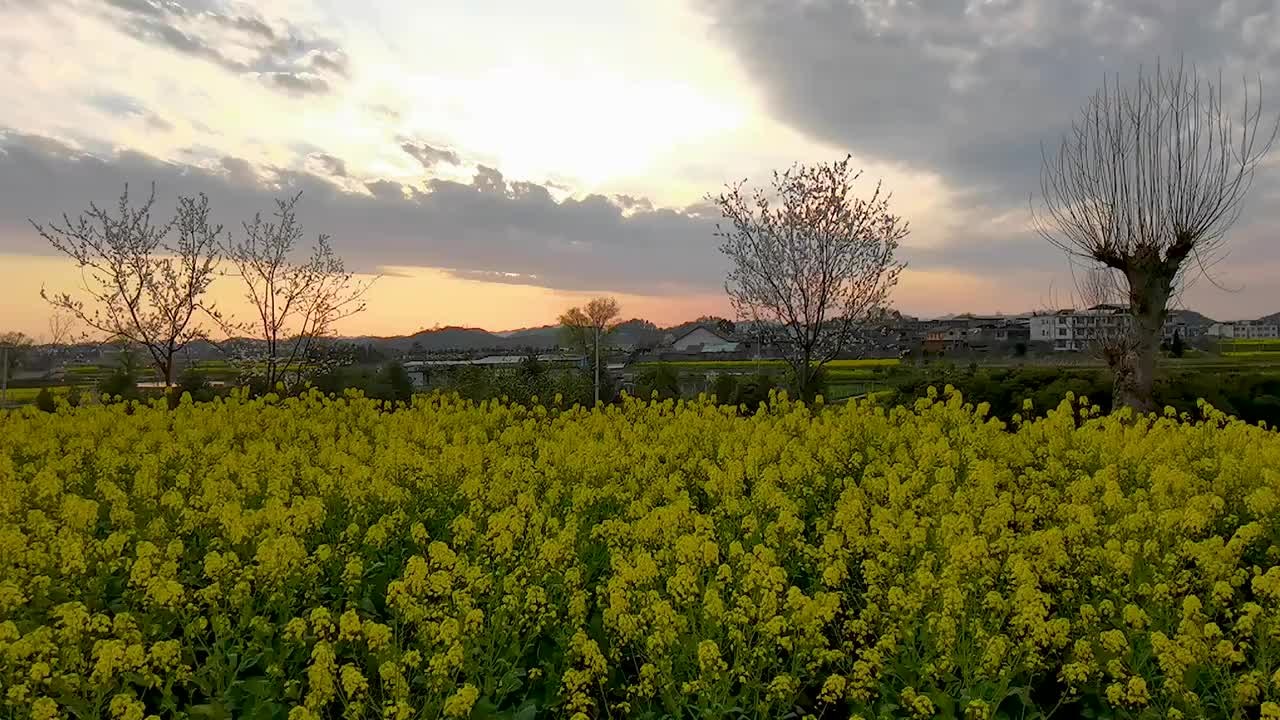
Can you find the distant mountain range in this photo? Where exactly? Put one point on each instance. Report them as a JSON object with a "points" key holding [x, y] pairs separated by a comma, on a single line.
{"points": [[631, 332]]}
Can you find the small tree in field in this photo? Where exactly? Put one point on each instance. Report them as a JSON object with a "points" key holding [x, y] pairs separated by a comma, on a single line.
{"points": [[586, 327], [812, 264], [295, 300], [61, 328], [140, 281], [1147, 183], [12, 345]]}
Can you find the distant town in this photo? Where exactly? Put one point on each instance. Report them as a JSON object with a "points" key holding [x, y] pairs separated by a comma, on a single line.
{"points": [[962, 336]]}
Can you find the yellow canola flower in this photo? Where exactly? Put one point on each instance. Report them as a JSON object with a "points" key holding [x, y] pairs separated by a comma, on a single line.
{"points": [[44, 709], [642, 559], [460, 703]]}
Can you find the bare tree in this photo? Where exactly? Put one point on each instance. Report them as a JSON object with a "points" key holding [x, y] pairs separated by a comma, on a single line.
{"points": [[295, 301], [12, 345], [1147, 182], [586, 327], [61, 328], [813, 266], [140, 285]]}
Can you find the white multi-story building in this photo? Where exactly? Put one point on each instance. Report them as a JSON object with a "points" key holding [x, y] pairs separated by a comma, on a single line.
{"points": [[1245, 330], [1073, 330]]}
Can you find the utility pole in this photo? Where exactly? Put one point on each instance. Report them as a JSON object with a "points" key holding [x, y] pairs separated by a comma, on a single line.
{"points": [[597, 364], [4, 375]]}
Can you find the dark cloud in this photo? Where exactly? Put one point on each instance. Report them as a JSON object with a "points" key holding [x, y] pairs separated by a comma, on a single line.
{"points": [[251, 25], [979, 253], [487, 180], [511, 231], [430, 156], [628, 202], [239, 172], [160, 32], [503, 230], [971, 89], [702, 209], [290, 59], [386, 189], [138, 7], [333, 166]]}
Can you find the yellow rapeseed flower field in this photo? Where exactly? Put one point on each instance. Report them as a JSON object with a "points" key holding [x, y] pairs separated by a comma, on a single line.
{"points": [[324, 558]]}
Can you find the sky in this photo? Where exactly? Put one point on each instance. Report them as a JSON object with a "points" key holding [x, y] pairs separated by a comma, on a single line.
{"points": [[496, 162]]}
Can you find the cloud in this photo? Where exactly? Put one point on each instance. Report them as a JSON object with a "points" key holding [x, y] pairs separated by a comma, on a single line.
{"points": [[329, 61], [631, 203], [385, 112], [430, 156], [491, 227], [239, 171], [386, 189], [971, 89], [236, 38], [301, 83], [138, 7], [330, 165], [126, 106], [250, 25], [149, 29], [487, 180]]}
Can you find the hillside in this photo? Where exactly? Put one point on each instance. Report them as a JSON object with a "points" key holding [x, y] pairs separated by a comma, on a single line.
{"points": [[547, 336], [1191, 317], [635, 332], [438, 339]]}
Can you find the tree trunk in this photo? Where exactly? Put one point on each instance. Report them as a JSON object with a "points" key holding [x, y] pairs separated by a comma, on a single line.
{"points": [[804, 377], [1149, 291]]}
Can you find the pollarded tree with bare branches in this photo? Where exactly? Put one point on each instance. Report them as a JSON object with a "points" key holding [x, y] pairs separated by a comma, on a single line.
{"points": [[812, 264], [141, 282], [1147, 183], [295, 300]]}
